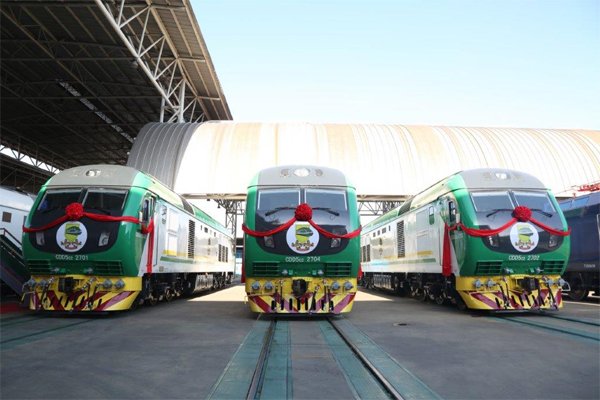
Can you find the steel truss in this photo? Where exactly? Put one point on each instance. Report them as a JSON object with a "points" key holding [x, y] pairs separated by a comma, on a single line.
{"points": [[157, 57]]}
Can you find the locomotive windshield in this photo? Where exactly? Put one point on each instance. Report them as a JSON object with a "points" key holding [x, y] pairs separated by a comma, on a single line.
{"points": [[95, 200], [277, 206], [493, 209]]}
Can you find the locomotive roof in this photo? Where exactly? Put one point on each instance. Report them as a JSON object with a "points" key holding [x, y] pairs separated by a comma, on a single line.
{"points": [[499, 178], [95, 175], [300, 175]]}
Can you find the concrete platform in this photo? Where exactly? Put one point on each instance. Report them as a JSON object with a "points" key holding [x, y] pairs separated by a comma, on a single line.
{"points": [[178, 350]]}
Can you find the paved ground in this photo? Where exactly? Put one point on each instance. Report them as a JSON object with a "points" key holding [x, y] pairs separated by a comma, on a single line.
{"points": [[178, 350]]}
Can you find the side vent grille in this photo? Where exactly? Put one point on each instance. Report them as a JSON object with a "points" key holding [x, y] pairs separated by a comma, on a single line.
{"points": [[223, 253], [489, 268], [265, 269], [191, 238], [553, 267], [400, 236], [38, 267], [108, 268], [338, 269]]}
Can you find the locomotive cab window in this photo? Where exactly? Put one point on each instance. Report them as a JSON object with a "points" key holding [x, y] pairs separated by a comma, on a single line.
{"points": [[58, 199], [277, 205], [6, 216], [147, 209], [326, 200], [535, 201], [452, 212], [491, 201], [109, 202]]}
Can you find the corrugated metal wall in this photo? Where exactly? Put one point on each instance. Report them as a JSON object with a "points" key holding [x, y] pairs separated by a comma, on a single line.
{"points": [[222, 157]]}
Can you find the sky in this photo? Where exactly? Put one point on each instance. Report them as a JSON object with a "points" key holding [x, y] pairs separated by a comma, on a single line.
{"points": [[500, 63]]}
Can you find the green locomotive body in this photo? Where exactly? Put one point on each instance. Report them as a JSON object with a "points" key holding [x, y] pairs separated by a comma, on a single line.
{"points": [[301, 243], [491, 239], [106, 238]]}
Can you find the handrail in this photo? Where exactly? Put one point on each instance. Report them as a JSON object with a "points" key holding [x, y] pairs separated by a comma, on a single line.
{"points": [[5, 232]]}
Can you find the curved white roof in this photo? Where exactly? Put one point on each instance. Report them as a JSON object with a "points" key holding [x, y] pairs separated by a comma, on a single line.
{"points": [[380, 160]]}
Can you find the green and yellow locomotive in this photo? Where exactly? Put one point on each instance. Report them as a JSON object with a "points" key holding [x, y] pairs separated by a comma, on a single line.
{"points": [[301, 242], [488, 239], [105, 238]]}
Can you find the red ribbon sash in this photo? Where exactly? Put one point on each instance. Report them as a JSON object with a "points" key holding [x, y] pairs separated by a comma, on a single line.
{"points": [[303, 213]]}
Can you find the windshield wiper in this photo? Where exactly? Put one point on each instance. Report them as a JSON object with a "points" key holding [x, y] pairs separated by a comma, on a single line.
{"points": [[547, 214], [498, 210], [277, 209], [327, 209]]}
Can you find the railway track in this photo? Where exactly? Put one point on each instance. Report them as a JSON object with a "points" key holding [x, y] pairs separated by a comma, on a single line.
{"points": [[574, 327], [276, 359], [24, 329]]}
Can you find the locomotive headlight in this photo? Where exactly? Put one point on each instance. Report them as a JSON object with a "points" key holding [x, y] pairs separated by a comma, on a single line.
{"points": [[477, 284], [107, 284], [268, 285], [269, 242], [490, 283], [335, 242], [284, 272], [301, 172], [92, 172], [494, 240], [335, 285], [119, 284], [104, 236], [320, 272], [348, 285], [88, 270], [255, 285], [552, 241], [561, 282], [39, 238]]}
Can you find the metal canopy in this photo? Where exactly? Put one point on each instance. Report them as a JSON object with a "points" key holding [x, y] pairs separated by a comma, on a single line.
{"points": [[79, 79]]}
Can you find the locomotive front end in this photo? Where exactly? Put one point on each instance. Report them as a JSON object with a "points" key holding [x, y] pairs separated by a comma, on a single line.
{"points": [[83, 242], [514, 259], [301, 245]]}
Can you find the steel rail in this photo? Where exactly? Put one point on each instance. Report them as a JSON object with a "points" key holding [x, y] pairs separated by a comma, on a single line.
{"points": [[259, 371], [547, 327], [580, 321], [368, 365]]}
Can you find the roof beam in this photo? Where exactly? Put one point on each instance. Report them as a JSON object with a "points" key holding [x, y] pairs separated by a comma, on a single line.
{"points": [[33, 39]]}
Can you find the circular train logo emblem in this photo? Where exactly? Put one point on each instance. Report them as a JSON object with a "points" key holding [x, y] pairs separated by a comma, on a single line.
{"points": [[524, 237], [302, 238], [71, 236]]}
